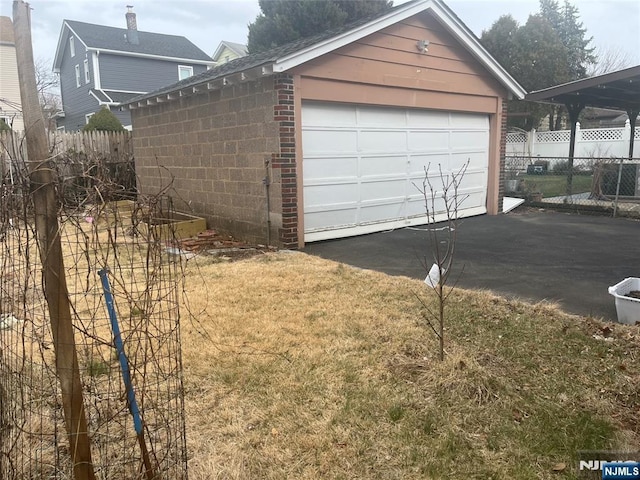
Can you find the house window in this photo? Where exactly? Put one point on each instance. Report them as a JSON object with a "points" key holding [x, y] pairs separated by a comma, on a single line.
{"points": [[184, 72], [87, 79], [77, 75], [72, 46]]}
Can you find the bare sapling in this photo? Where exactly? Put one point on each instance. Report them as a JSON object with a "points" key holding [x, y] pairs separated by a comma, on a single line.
{"points": [[442, 207]]}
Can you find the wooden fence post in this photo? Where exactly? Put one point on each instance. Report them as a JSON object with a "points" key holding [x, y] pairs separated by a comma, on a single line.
{"points": [[46, 219]]}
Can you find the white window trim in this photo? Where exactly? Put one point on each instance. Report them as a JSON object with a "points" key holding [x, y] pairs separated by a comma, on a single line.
{"points": [[78, 76], [186, 67], [88, 116], [96, 70], [87, 77], [61, 129], [72, 46]]}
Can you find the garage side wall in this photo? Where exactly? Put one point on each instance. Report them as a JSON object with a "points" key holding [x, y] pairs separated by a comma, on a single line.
{"points": [[213, 151]]}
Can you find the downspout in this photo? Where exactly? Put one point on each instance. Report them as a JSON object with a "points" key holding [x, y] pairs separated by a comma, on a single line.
{"points": [[267, 182]]}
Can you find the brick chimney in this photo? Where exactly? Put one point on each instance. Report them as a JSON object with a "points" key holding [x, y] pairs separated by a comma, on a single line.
{"points": [[132, 26]]}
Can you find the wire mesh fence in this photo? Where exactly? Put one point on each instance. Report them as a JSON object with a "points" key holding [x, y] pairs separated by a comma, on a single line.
{"points": [[605, 184], [103, 225]]}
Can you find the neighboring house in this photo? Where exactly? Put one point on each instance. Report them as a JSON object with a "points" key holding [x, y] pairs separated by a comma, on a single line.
{"points": [[107, 66], [328, 136], [228, 51], [10, 109]]}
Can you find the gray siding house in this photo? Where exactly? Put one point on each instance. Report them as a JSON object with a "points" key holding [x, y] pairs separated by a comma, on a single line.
{"points": [[107, 66]]}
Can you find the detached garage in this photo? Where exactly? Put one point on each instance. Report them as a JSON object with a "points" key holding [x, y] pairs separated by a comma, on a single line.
{"points": [[329, 136]]}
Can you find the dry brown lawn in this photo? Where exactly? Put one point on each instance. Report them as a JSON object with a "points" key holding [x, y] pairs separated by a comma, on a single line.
{"points": [[301, 368]]}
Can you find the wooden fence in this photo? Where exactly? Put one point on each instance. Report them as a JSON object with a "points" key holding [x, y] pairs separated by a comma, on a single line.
{"points": [[82, 161], [112, 147]]}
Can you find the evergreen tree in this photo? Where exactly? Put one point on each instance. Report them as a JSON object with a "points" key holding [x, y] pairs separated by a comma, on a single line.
{"points": [[573, 34], [501, 40], [283, 21], [550, 49], [105, 121]]}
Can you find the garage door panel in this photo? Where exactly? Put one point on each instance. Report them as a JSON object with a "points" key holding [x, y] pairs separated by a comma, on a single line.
{"points": [[375, 166], [380, 116], [331, 141], [458, 159], [427, 118], [377, 213], [416, 181], [329, 219], [365, 176], [418, 163], [461, 140], [471, 199], [340, 167], [383, 190], [416, 205], [324, 194], [473, 179], [469, 120], [329, 115], [428, 140], [382, 141]]}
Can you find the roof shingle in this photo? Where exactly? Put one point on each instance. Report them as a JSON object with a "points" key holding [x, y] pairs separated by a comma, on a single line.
{"points": [[258, 59], [112, 38]]}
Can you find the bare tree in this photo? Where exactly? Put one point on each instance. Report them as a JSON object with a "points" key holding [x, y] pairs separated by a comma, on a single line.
{"points": [[445, 204], [47, 84], [610, 59]]}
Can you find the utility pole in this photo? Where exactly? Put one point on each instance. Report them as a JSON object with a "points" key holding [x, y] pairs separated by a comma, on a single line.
{"points": [[46, 206]]}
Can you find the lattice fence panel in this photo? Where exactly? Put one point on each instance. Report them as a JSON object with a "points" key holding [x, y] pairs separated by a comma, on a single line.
{"points": [[607, 134], [554, 136]]}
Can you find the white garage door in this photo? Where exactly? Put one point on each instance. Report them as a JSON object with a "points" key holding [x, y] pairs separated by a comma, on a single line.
{"points": [[361, 165]]}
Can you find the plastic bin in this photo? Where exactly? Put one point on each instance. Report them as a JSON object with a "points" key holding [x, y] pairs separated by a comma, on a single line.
{"points": [[627, 308]]}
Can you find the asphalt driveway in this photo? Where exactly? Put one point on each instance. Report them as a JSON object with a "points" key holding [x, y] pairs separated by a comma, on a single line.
{"points": [[534, 255]]}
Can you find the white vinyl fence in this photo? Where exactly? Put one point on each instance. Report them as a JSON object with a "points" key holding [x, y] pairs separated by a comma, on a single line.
{"points": [[593, 142]]}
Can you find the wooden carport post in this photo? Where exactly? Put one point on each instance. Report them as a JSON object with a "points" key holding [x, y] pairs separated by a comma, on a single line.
{"points": [[574, 109], [633, 114], [46, 206]]}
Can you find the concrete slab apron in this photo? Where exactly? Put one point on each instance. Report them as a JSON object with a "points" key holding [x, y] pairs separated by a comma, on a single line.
{"points": [[533, 255]]}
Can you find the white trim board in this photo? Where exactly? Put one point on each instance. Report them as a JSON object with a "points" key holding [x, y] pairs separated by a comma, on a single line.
{"points": [[509, 203]]}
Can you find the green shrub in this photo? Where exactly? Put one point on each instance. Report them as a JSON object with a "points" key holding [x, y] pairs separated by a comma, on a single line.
{"points": [[4, 126], [105, 121]]}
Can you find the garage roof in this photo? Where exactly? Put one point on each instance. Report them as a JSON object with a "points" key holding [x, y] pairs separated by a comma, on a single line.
{"points": [[618, 91], [286, 57]]}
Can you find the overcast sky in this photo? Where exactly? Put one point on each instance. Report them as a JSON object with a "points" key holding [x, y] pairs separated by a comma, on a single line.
{"points": [[613, 24]]}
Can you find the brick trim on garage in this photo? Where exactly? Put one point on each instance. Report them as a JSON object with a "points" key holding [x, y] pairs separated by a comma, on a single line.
{"points": [[285, 159]]}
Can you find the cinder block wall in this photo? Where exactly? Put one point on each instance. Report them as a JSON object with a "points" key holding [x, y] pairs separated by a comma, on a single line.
{"points": [[215, 145]]}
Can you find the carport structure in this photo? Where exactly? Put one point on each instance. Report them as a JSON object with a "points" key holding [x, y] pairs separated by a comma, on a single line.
{"points": [[617, 91]]}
